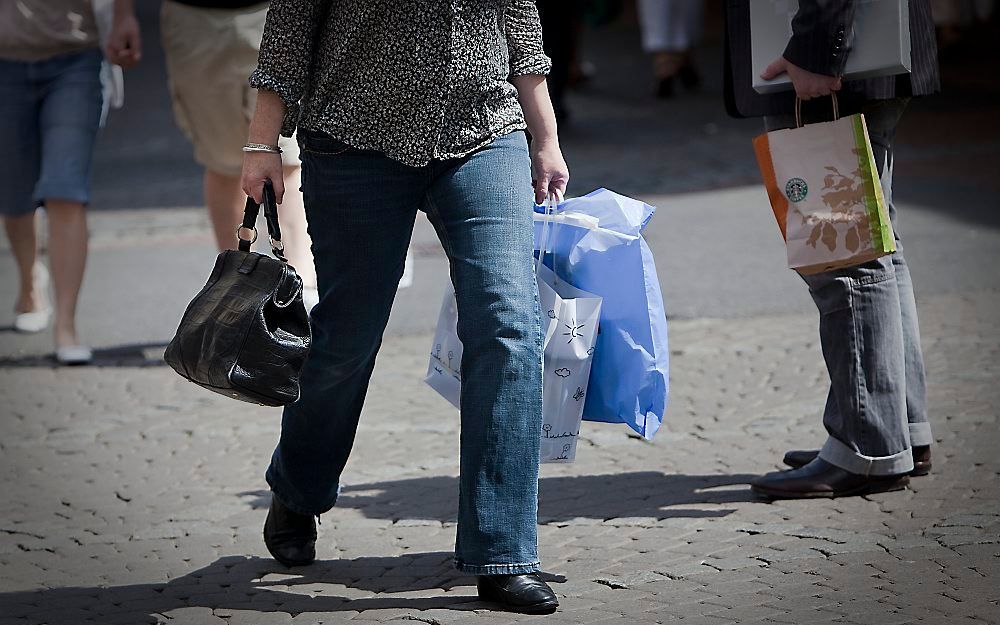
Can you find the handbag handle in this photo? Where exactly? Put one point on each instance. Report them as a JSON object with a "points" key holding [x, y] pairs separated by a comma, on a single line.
{"points": [[798, 110], [270, 218]]}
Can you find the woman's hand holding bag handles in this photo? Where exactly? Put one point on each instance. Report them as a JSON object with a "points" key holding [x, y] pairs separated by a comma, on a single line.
{"points": [[246, 333]]}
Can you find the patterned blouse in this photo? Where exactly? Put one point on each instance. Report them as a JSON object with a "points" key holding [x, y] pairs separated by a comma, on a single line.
{"points": [[417, 80]]}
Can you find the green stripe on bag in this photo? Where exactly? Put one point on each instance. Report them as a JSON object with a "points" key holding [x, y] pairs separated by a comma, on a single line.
{"points": [[878, 214]]}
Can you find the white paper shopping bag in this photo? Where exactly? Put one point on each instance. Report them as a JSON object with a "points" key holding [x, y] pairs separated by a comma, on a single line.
{"points": [[444, 371], [570, 320]]}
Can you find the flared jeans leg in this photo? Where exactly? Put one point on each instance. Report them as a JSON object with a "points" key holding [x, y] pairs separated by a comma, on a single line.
{"points": [[361, 206], [861, 334], [913, 357], [481, 207]]}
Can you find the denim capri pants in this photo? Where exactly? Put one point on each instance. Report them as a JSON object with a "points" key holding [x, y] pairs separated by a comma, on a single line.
{"points": [[50, 111]]}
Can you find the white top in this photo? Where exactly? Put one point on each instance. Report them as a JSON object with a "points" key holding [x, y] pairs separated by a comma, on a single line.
{"points": [[34, 30]]}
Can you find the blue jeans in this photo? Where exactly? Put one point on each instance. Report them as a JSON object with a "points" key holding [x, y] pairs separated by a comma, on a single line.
{"points": [[877, 406], [50, 111], [361, 207]]}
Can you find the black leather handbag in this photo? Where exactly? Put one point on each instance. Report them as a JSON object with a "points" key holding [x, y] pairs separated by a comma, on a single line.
{"points": [[246, 333]]}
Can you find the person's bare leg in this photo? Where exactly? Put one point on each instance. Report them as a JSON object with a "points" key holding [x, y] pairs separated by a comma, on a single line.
{"points": [[21, 233], [67, 259], [294, 233], [225, 201]]}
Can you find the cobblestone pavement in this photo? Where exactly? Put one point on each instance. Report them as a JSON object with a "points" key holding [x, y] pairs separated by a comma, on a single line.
{"points": [[133, 497]]}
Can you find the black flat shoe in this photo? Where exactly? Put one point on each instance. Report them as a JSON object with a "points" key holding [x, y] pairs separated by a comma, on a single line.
{"points": [[921, 459], [290, 537], [689, 77], [665, 88], [525, 593], [820, 479]]}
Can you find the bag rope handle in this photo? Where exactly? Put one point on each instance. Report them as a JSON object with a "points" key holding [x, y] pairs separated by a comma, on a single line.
{"points": [[798, 110]]}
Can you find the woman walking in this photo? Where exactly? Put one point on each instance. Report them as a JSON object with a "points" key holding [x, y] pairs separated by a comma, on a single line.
{"points": [[50, 109], [405, 107]]}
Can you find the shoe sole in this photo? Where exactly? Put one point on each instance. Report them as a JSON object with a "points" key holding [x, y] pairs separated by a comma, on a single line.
{"points": [[545, 607], [919, 469], [881, 486], [289, 563]]}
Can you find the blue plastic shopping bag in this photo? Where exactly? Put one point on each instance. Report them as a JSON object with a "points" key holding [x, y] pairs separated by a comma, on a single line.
{"points": [[598, 247]]}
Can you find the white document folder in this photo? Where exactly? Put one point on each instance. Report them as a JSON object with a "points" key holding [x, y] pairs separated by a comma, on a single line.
{"points": [[881, 39]]}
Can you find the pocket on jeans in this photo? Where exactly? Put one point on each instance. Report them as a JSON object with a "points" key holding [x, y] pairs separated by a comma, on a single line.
{"points": [[833, 296], [320, 143], [836, 290]]}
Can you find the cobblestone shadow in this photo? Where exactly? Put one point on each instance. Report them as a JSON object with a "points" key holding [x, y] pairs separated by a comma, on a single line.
{"points": [[563, 498], [259, 585], [129, 356]]}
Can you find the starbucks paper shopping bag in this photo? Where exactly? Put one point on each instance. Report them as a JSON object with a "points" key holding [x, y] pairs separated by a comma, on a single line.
{"points": [[825, 192]]}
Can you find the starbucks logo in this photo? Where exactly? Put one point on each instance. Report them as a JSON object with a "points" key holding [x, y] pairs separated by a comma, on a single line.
{"points": [[796, 189]]}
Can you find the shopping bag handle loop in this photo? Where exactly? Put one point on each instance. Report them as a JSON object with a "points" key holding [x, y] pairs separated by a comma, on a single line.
{"points": [[798, 110], [543, 243]]}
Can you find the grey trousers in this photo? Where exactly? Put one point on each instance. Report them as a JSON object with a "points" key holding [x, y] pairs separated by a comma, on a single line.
{"points": [[876, 407]]}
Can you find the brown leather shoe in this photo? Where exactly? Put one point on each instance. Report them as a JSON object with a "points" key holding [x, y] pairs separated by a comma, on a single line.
{"points": [[921, 459], [820, 479]]}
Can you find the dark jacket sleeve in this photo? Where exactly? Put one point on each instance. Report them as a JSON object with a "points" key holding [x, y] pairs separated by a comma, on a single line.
{"points": [[821, 32]]}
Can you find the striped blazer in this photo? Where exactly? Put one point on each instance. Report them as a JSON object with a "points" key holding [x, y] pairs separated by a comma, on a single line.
{"points": [[821, 44]]}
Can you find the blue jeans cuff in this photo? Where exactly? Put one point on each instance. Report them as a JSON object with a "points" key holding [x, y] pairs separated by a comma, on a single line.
{"points": [[920, 434], [498, 569], [67, 191], [840, 455], [295, 503]]}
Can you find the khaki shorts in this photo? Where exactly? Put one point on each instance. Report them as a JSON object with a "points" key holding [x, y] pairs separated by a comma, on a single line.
{"points": [[210, 54]]}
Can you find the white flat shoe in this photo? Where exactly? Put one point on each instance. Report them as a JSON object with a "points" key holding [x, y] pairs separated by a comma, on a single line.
{"points": [[74, 355], [36, 320], [32, 322]]}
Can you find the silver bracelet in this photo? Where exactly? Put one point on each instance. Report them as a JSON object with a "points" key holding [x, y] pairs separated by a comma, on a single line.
{"points": [[262, 147]]}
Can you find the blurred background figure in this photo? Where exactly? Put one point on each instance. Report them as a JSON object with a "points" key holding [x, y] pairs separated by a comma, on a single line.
{"points": [[952, 17], [211, 48], [51, 105], [561, 23], [670, 30]]}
